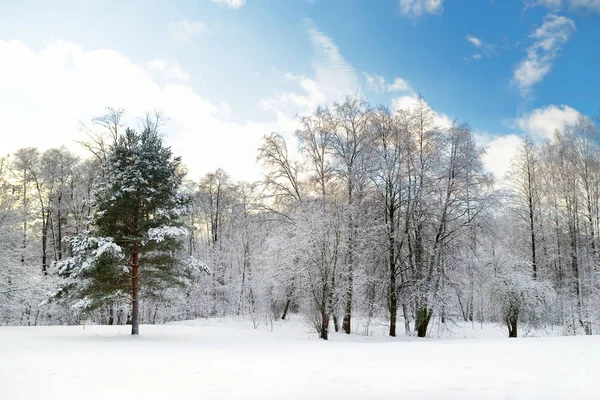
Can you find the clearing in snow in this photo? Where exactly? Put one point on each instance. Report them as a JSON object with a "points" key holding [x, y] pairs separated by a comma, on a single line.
{"points": [[212, 359]]}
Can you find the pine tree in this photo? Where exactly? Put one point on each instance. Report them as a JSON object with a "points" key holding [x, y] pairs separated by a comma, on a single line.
{"points": [[132, 245]]}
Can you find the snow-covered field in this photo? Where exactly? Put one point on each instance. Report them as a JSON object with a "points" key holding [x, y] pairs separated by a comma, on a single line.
{"points": [[213, 359]]}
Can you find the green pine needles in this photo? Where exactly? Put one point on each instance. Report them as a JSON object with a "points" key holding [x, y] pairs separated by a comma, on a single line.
{"points": [[132, 250]]}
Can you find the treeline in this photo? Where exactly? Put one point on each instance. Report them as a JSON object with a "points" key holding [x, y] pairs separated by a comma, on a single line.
{"points": [[364, 213]]}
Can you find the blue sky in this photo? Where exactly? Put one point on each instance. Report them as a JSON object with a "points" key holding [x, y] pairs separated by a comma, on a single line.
{"points": [[229, 71]]}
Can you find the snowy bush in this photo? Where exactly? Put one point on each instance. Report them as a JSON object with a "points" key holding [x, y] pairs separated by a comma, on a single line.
{"points": [[521, 298]]}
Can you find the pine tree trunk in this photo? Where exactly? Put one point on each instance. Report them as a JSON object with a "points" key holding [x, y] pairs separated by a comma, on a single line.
{"points": [[135, 305]]}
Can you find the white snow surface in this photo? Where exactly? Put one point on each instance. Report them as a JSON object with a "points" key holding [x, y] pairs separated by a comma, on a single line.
{"points": [[229, 359]]}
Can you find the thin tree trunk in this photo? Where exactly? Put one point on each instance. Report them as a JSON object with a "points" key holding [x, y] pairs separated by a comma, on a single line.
{"points": [[346, 324], [59, 222], [45, 222], [285, 310], [323, 310], [24, 244]]}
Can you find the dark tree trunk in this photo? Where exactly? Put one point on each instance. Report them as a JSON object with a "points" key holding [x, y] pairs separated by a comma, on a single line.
{"points": [[511, 322], [531, 218], [422, 322], [324, 328], [346, 323], [393, 312], [393, 301], [135, 306], [285, 310], [323, 310], [471, 302], [45, 222], [111, 318], [155, 313]]}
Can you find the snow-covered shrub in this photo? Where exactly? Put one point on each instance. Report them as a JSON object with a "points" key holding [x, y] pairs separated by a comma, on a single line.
{"points": [[521, 298]]}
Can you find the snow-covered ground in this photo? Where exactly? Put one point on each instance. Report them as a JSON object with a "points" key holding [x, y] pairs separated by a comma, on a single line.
{"points": [[228, 359]]}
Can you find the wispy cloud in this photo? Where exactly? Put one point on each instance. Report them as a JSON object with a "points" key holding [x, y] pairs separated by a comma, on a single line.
{"points": [[230, 3], [573, 5], [417, 8], [549, 40], [474, 41], [377, 83], [483, 48], [171, 69], [185, 30], [333, 78], [591, 5], [332, 70]]}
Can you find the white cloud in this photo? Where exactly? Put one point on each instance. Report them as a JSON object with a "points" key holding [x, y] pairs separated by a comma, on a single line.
{"points": [[542, 122], [474, 41], [500, 151], [230, 3], [592, 5], [185, 30], [416, 8], [399, 85], [171, 70], [441, 120], [377, 83], [483, 48], [551, 4], [574, 5], [549, 39], [45, 94]]}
